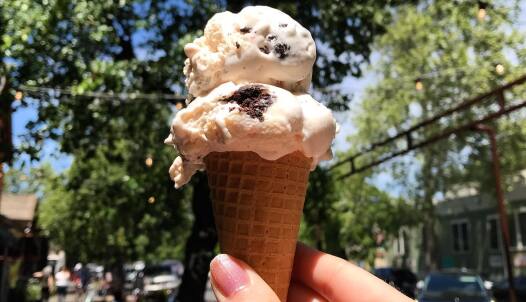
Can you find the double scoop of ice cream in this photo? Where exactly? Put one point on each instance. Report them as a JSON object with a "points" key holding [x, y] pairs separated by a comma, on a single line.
{"points": [[247, 78]]}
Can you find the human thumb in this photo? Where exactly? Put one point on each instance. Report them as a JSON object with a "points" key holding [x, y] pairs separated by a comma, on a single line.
{"points": [[234, 281]]}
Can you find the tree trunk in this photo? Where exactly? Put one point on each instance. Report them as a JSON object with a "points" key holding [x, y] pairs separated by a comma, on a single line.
{"points": [[6, 144], [429, 244], [200, 245], [117, 282], [429, 235]]}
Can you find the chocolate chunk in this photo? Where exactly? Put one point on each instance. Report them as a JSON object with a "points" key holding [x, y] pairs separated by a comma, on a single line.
{"points": [[271, 37], [245, 29], [282, 50], [237, 45], [252, 99], [265, 49], [283, 25]]}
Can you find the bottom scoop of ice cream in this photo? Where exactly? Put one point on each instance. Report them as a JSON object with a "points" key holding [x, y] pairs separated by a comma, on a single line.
{"points": [[264, 119]]}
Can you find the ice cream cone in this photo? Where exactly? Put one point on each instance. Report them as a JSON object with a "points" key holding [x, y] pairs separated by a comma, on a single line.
{"points": [[257, 208]]}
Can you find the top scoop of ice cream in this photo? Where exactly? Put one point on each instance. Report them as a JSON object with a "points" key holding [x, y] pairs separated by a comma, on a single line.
{"points": [[259, 44]]}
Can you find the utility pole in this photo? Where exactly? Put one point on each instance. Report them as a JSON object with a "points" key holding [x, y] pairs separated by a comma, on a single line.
{"points": [[503, 216]]}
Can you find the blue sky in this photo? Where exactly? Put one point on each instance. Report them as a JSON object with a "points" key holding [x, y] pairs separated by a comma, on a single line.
{"points": [[350, 85]]}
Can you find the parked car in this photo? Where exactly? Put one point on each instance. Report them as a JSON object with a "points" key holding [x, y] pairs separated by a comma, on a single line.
{"points": [[403, 279], [159, 282], [458, 286], [501, 293], [132, 273]]}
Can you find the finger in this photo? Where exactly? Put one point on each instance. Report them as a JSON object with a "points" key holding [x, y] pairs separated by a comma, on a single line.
{"points": [[339, 280], [233, 280], [300, 293]]}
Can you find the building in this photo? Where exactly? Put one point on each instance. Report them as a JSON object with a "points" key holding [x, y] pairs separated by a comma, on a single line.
{"points": [[469, 234], [22, 250]]}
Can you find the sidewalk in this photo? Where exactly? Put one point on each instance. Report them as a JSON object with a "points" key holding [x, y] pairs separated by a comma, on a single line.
{"points": [[69, 298]]}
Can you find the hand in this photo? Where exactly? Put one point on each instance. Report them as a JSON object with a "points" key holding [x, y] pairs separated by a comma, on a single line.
{"points": [[316, 277]]}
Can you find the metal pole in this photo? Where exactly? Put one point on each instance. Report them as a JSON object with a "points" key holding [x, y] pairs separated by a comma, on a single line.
{"points": [[501, 206], [3, 265], [3, 81]]}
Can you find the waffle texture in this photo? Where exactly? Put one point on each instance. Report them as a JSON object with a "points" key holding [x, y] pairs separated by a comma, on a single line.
{"points": [[257, 208]]}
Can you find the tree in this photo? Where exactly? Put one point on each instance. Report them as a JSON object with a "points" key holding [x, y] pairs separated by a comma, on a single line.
{"points": [[443, 46], [351, 218], [137, 46]]}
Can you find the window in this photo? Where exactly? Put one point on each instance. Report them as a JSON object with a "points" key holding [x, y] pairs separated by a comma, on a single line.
{"points": [[513, 230], [460, 236], [493, 232]]}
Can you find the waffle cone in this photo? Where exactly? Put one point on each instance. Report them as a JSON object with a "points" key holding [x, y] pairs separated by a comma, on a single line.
{"points": [[257, 208]]}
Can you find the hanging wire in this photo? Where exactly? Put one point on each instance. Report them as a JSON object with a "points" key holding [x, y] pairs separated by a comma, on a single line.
{"points": [[175, 98]]}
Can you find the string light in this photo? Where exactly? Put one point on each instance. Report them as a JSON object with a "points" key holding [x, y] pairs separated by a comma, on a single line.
{"points": [[481, 14], [430, 76], [19, 95], [148, 161], [151, 200], [419, 85], [499, 68]]}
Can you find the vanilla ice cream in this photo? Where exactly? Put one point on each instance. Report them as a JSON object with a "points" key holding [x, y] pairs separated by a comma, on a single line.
{"points": [[259, 44], [248, 77]]}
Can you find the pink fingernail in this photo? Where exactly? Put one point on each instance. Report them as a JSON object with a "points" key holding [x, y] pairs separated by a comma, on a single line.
{"points": [[228, 276]]}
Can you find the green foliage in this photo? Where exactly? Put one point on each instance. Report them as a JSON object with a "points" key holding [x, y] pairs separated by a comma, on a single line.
{"points": [[319, 227], [346, 217], [101, 211], [369, 216], [457, 53]]}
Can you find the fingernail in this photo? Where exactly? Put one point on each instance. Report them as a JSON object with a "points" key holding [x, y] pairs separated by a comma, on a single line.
{"points": [[228, 276]]}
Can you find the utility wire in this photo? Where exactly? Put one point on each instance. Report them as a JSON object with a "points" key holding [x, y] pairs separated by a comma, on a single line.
{"points": [[104, 95]]}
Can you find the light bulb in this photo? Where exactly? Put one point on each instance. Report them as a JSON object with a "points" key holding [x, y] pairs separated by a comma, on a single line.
{"points": [[499, 68], [148, 161], [481, 14], [151, 199], [419, 85]]}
